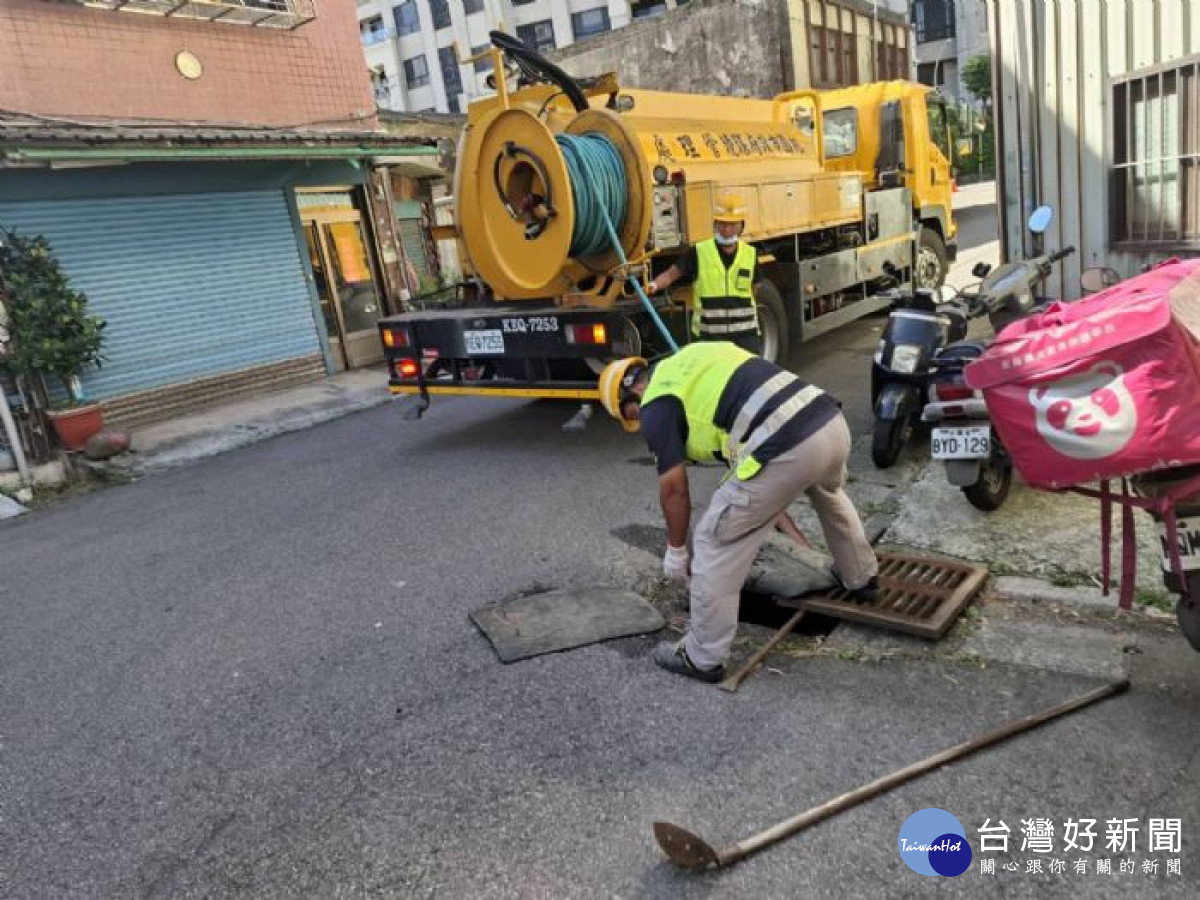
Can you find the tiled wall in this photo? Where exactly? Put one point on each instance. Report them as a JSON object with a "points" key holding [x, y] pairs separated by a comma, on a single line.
{"points": [[67, 60]]}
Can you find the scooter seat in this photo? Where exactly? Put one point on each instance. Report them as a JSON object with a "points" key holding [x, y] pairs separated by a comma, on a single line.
{"points": [[964, 350]]}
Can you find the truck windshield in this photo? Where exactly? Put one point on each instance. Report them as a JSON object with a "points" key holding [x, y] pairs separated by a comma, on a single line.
{"points": [[937, 125]]}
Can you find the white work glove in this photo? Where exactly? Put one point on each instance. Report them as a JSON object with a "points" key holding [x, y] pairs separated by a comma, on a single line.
{"points": [[676, 563]]}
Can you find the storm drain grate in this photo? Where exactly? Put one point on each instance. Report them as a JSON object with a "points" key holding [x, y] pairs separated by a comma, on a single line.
{"points": [[919, 595]]}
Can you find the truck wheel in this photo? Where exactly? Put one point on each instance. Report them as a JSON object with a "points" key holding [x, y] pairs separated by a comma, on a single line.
{"points": [[932, 262], [991, 490], [1188, 611], [772, 320]]}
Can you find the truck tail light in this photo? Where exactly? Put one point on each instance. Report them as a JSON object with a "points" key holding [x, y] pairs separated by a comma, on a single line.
{"points": [[396, 337], [407, 368], [595, 333]]}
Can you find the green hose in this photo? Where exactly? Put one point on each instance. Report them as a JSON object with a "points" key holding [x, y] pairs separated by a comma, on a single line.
{"points": [[600, 193]]}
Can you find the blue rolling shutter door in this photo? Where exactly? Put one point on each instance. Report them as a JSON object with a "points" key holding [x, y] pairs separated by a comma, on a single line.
{"points": [[191, 285]]}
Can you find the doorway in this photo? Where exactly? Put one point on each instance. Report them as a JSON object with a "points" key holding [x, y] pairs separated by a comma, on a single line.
{"points": [[343, 268]]}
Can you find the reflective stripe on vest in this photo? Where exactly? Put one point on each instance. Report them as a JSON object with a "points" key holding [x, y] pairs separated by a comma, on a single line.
{"points": [[697, 376], [724, 293]]}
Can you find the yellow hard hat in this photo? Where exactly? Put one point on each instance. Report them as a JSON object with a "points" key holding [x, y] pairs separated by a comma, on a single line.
{"points": [[615, 381], [729, 208]]}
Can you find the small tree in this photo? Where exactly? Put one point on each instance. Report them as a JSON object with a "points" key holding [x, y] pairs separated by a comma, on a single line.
{"points": [[50, 329], [977, 77]]}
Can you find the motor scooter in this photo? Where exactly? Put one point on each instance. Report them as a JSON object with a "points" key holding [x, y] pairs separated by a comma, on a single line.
{"points": [[921, 323], [962, 437]]}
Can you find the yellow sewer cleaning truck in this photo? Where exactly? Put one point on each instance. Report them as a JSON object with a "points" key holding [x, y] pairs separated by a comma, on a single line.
{"points": [[569, 194]]}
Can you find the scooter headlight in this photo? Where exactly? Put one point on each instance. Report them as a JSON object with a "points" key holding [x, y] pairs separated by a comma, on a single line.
{"points": [[905, 358]]}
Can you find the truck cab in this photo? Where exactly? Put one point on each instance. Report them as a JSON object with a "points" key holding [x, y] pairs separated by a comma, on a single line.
{"points": [[898, 133]]}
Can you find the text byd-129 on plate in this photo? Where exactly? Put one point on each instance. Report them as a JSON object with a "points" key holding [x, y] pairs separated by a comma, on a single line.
{"points": [[967, 442]]}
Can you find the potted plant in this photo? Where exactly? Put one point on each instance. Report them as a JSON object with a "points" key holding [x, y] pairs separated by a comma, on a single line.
{"points": [[51, 332]]}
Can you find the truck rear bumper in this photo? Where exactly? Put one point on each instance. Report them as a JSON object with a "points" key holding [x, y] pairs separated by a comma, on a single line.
{"points": [[545, 352]]}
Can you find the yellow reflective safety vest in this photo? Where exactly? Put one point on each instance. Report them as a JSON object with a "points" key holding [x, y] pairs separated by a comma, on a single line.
{"points": [[723, 298], [697, 376]]}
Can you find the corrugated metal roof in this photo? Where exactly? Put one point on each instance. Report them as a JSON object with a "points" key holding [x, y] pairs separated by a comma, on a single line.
{"points": [[19, 131]]}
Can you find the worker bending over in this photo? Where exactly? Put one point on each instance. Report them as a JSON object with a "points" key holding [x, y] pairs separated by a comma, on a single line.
{"points": [[721, 270], [781, 438]]}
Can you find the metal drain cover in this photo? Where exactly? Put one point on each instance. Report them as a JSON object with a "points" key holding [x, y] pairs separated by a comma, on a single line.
{"points": [[920, 595]]}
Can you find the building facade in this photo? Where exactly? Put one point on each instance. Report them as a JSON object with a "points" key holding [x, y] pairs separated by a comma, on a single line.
{"points": [[810, 43], [206, 174], [1096, 116], [947, 33], [415, 48]]}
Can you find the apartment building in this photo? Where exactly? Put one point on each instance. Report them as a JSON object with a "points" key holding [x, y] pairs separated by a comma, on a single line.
{"points": [[414, 48], [946, 34]]}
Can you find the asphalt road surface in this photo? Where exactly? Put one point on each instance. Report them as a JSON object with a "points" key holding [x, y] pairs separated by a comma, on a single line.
{"points": [[257, 677]]}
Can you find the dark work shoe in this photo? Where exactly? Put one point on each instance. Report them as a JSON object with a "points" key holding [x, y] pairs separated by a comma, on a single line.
{"points": [[673, 658], [867, 594]]}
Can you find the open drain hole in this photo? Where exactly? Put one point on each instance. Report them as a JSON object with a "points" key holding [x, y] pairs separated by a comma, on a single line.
{"points": [[758, 609]]}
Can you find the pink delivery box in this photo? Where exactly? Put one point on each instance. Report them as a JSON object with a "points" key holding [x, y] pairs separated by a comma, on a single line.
{"points": [[1103, 387]]}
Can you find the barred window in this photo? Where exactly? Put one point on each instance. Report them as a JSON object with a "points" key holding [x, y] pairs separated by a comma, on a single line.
{"points": [[439, 10], [1155, 188], [416, 72], [538, 35], [407, 18]]}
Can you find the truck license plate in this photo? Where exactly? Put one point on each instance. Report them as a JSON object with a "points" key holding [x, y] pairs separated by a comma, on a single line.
{"points": [[490, 340], [969, 442], [1189, 544]]}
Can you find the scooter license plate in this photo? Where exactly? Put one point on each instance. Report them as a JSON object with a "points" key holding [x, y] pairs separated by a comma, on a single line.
{"points": [[1188, 532], [967, 442]]}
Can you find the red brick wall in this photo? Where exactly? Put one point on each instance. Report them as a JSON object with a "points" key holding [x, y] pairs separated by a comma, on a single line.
{"points": [[63, 59]]}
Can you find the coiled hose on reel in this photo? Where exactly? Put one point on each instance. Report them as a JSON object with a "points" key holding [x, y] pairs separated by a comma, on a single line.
{"points": [[600, 192]]}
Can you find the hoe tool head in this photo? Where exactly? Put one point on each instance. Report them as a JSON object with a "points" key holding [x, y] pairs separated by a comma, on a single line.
{"points": [[683, 848]]}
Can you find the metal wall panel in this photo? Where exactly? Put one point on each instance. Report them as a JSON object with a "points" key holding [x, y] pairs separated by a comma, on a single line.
{"points": [[1053, 63], [191, 285]]}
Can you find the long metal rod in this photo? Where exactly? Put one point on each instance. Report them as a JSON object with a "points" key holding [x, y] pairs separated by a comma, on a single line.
{"points": [[734, 681], [690, 851], [887, 782]]}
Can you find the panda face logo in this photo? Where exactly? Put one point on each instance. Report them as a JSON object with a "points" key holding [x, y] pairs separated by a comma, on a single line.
{"points": [[1086, 416]]}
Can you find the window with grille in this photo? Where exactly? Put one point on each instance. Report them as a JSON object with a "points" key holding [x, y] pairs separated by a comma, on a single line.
{"points": [[538, 35], [485, 64], [1155, 190], [589, 22], [832, 57], [933, 20], [451, 79], [439, 10], [416, 72], [407, 19]]}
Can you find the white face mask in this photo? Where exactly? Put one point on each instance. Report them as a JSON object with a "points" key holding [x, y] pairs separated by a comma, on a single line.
{"points": [[725, 241]]}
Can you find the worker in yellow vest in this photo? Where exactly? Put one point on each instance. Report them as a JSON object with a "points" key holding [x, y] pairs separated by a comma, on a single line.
{"points": [[780, 436], [721, 270]]}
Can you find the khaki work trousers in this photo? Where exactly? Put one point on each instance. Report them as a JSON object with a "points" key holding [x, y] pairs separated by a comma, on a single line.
{"points": [[740, 517]]}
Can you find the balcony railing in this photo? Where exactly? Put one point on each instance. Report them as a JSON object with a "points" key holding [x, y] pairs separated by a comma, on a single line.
{"points": [[286, 14], [371, 38]]}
